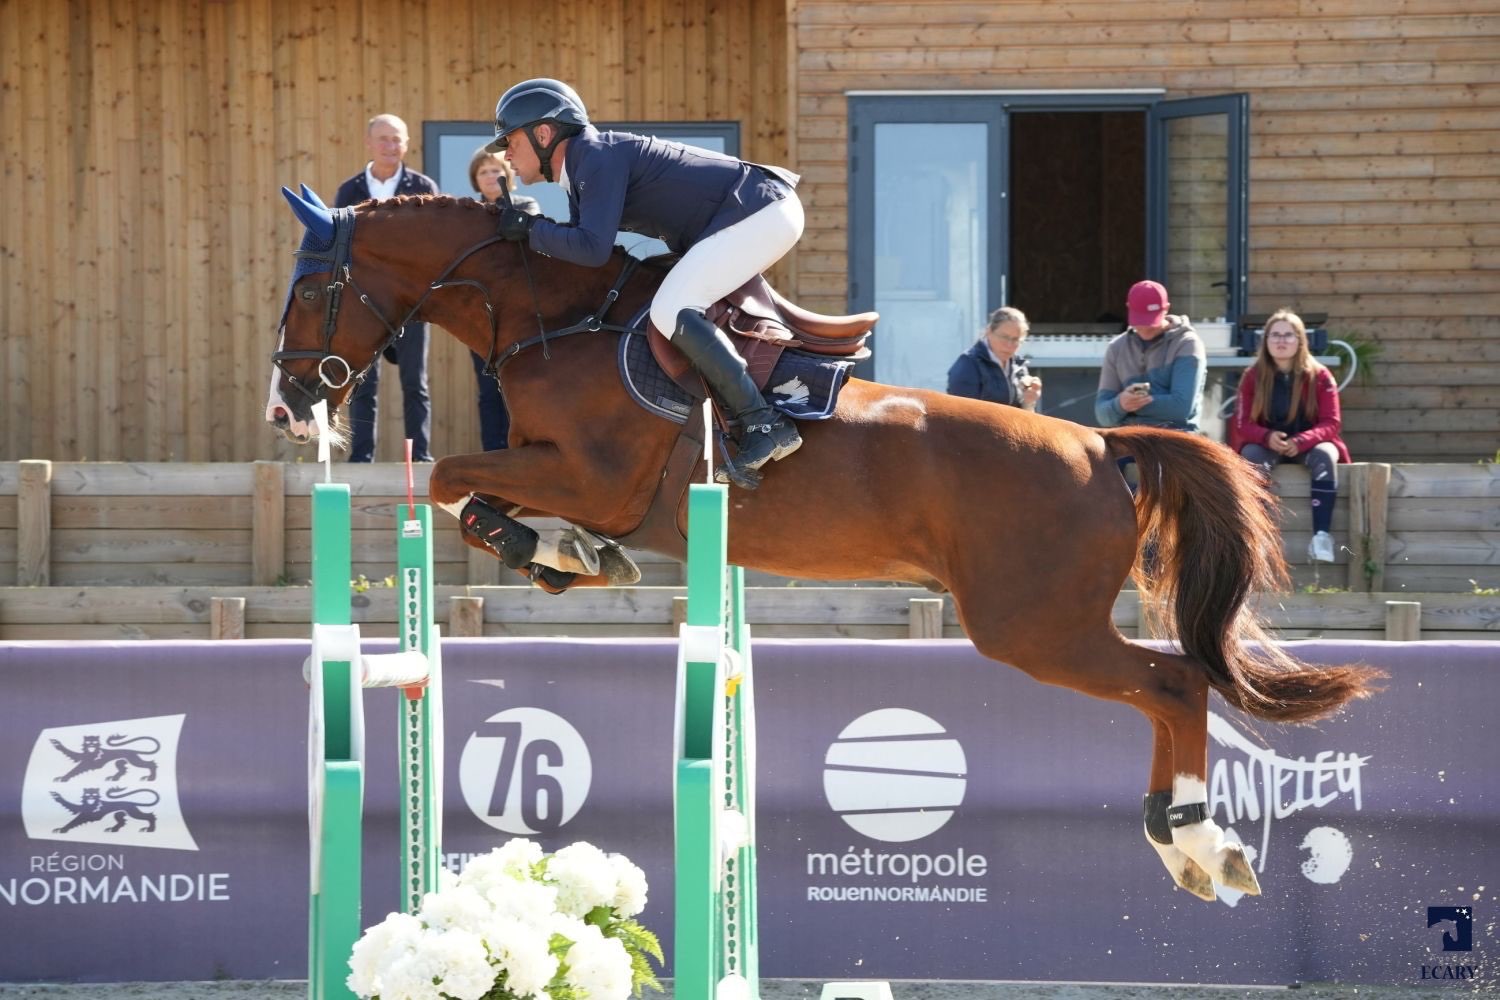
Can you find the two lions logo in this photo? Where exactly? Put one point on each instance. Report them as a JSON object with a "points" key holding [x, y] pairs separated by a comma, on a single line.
{"points": [[121, 803], [94, 756], [93, 808]]}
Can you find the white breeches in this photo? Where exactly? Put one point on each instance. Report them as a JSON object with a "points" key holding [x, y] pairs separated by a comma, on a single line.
{"points": [[726, 260]]}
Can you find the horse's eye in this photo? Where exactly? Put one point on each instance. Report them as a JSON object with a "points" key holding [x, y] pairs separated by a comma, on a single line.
{"points": [[308, 294]]}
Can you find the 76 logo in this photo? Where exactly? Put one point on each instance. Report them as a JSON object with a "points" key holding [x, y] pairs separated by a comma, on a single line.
{"points": [[525, 771]]}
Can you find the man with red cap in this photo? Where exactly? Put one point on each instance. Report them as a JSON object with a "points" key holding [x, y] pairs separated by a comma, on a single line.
{"points": [[1153, 373]]}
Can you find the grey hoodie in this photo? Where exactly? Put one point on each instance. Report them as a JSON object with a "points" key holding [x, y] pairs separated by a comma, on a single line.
{"points": [[1175, 364]]}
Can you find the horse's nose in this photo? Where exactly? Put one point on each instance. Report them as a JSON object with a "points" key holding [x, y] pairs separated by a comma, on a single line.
{"points": [[280, 419]]}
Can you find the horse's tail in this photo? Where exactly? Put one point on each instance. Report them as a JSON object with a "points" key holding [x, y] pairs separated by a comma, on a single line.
{"points": [[1209, 538]]}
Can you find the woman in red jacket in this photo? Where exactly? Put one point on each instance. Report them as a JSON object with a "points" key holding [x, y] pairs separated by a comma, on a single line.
{"points": [[1288, 411]]}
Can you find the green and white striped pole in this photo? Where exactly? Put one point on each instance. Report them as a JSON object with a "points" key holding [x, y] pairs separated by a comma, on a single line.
{"points": [[715, 955], [337, 673]]}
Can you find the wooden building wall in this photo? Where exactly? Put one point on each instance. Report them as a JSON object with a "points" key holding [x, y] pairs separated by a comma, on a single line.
{"points": [[1375, 160], [144, 247]]}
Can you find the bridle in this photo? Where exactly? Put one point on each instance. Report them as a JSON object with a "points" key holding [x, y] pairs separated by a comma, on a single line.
{"points": [[334, 372]]}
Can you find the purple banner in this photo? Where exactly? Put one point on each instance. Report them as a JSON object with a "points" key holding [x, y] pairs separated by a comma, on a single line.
{"points": [[923, 813]]}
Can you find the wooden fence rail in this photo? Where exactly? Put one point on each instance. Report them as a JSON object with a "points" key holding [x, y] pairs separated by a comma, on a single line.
{"points": [[36, 613], [92, 533], [1402, 528]]}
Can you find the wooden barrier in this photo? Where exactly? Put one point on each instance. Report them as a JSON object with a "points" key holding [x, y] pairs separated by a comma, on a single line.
{"points": [[1417, 529], [779, 612], [121, 550]]}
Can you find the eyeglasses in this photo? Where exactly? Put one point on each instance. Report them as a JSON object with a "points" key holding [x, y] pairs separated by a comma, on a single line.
{"points": [[1282, 335]]}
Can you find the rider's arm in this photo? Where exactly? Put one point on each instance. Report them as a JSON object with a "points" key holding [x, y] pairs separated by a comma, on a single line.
{"points": [[600, 189]]}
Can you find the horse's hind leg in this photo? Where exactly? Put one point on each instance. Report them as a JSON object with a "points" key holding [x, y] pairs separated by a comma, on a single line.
{"points": [[1186, 872], [1172, 692], [1177, 820]]}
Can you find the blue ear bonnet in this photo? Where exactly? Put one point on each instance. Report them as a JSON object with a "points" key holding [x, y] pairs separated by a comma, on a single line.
{"points": [[315, 253]]}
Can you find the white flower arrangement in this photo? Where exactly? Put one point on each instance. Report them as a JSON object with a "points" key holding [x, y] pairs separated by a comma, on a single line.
{"points": [[517, 924]]}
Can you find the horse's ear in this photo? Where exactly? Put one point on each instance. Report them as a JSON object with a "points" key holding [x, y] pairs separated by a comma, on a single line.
{"points": [[312, 196], [317, 219]]}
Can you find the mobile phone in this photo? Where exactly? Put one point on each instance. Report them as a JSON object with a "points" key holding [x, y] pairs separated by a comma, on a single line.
{"points": [[1140, 388]]}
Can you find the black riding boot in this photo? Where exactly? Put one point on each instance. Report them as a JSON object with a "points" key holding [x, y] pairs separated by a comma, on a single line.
{"points": [[765, 433]]}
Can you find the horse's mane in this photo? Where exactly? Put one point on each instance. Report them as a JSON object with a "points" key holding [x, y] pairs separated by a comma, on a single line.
{"points": [[431, 200], [410, 201]]}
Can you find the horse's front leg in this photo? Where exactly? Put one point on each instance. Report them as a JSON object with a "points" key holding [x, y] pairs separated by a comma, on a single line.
{"points": [[487, 491]]}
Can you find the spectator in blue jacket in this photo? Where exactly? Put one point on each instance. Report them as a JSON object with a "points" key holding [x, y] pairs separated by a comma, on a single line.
{"points": [[386, 176], [1153, 373], [992, 369], [730, 220]]}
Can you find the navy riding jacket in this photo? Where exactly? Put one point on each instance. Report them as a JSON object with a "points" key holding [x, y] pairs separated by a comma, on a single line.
{"points": [[640, 184]]}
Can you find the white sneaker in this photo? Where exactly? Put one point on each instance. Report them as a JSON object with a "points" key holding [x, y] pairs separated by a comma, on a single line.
{"points": [[1321, 547]]}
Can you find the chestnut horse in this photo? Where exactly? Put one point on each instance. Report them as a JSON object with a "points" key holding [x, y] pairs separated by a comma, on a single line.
{"points": [[1023, 518]]}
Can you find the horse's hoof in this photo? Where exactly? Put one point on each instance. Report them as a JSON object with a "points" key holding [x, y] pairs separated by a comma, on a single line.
{"points": [[1186, 872], [1236, 873], [1197, 881], [617, 567]]}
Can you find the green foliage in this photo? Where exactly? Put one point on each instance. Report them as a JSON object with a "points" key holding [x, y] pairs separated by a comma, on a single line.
{"points": [[1367, 354], [1313, 588], [1484, 591]]}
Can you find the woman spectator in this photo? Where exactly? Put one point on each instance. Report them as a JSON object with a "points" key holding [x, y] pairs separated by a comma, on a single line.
{"points": [[990, 370], [486, 170], [1288, 411]]}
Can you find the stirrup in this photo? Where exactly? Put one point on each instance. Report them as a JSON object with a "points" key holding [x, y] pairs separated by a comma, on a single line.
{"points": [[730, 473]]}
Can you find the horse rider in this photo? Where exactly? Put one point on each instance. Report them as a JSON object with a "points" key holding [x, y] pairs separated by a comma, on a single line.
{"points": [[730, 220]]}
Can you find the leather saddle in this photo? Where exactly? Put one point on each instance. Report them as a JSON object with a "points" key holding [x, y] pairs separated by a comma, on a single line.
{"points": [[762, 324]]}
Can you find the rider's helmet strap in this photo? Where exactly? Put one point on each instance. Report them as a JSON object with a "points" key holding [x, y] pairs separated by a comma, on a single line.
{"points": [[544, 153]]}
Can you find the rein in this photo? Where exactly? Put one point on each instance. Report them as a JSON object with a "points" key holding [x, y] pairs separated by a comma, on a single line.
{"points": [[338, 257], [592, 323]]}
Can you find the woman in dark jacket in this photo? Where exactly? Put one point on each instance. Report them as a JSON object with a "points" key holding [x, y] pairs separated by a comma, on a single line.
{"points": [[991, 370]]}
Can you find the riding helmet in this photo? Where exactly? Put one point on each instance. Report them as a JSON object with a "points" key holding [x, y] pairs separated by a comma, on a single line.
{"points": [[533, 101]]}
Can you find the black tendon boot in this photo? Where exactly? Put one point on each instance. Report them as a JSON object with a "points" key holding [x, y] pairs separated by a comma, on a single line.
{"points": [[765, 434]]}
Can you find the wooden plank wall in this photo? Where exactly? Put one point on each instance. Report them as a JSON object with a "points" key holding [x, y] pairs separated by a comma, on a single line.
{"points": [[1375, 160], [1420, 528], [145, 249]]}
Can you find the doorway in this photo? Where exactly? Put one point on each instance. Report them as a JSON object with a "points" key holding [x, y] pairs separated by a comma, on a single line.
{"points": [[1051, 201], [1077, 238]]}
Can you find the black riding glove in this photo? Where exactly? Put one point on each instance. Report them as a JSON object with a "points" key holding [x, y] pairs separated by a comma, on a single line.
{"points": [[515, 224]]}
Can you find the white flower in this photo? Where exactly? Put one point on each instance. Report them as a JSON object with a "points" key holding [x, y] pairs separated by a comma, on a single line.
{"points": [[495, 924], [411, 974], [630, 886], [528, 902], [510, 862], [584, 878], [523, 951], [461, 906], [466, 973], [599, 966], [396, 935]]}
